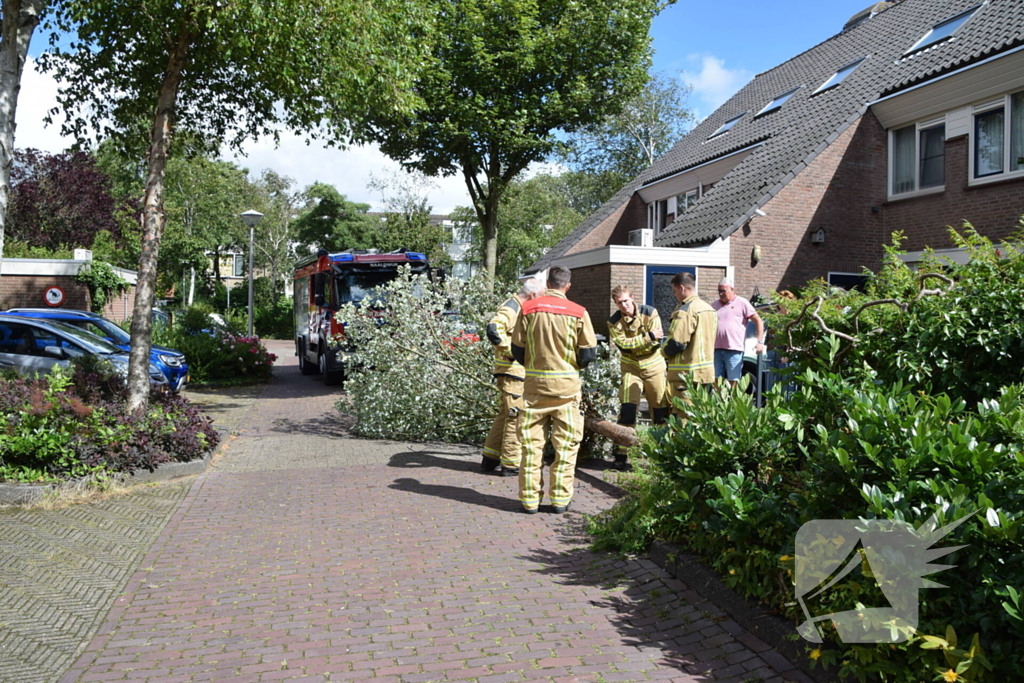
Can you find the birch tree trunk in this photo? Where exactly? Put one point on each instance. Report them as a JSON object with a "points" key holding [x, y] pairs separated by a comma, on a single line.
{"points": [[153, 220], [20, 18]]}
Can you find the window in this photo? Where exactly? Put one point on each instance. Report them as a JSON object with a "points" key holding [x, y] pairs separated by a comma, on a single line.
{"points": [[918, 155], [724, 128], [239, 266], [943, 30], [998, 139], [686, 200], [839, 76], [657, 215], [778, 101]]}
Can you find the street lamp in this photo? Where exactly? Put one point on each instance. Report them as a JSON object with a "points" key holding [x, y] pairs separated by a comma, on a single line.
{"points": [[251, 218]]}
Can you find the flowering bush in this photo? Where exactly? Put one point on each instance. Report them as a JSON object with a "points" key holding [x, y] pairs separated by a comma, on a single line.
{"points": [[215, 354], [421, 370], [73, 423]]}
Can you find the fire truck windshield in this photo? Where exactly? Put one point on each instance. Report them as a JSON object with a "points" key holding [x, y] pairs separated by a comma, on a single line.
{"points": [[355, 286]]}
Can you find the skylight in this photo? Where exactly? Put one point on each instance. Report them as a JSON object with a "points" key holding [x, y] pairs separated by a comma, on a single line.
{"points": [[943, 30], [778, 101], [727, 125], [839, 76]]}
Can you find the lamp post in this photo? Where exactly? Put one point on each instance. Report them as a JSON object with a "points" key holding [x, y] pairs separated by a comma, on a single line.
{"points": [[251, 218]]}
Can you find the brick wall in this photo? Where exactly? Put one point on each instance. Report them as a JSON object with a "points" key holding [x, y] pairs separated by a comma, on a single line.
{"points": [[615, 228], [707, 282], [836, 192], [993, 209], [590, 289], [120, 308], [26, 291]]}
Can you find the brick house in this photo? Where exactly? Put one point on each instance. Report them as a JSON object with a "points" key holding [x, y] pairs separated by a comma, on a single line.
{"points": [[26, 283], [910, 118]]}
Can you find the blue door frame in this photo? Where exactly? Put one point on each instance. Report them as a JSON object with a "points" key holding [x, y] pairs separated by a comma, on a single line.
{"points": [[651, 271]]}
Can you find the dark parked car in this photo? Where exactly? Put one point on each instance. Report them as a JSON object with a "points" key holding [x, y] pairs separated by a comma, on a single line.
{"points": [[35, 347], [170, 362]]}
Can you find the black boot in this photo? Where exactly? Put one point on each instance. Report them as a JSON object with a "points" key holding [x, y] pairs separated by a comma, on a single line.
{"points": [[621, 460], [489, 464]]}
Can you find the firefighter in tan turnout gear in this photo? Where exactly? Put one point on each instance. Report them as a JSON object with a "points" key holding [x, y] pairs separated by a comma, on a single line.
{"points": [[636, 331], [554, 339], [690, 349], [504, 446]]}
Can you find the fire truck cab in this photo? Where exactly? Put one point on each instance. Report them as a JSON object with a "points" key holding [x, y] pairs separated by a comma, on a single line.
{"points": [[323, 282]]}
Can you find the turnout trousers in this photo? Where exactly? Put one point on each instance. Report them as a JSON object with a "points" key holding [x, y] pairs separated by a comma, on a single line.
{"points": [[564, 418], [647, 376], [503, 441]]}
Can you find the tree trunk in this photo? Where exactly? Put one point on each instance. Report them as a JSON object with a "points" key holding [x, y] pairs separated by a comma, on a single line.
{"points": [[20, 18], [153, 220], [191, 285], [618, 434], [489, 223]]}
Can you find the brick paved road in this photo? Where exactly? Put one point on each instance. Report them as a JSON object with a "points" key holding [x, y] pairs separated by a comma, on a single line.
{"points": [[307, 555]]}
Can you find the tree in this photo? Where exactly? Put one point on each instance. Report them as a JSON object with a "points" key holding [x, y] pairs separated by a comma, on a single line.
{"points": [[407, 219], [605, 155], [534, 216], [228, 69], [506, 74], [19, 19], [275, 236], [203, 199], [58, 200], [330, 221]]}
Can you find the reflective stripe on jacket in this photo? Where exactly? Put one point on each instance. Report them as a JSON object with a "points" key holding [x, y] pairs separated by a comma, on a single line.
{"points": [[499, 333], [556, 339], [693, 328], [633, 336]]}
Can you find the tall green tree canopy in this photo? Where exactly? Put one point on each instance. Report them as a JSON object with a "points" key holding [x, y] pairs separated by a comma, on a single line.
{"points": [[330, 221], [605, 155], [507, 74], [228, 69], [535, 214]]}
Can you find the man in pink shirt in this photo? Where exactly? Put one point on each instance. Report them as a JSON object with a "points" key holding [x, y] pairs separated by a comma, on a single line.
{"points": [[733, 314]]}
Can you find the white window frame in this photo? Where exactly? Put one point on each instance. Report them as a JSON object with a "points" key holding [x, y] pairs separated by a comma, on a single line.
{"points": [[917, 191], [727, 126], [785, 97], [828, 84], [680, 210], [983, 108], [921, 44], [236, 261]]}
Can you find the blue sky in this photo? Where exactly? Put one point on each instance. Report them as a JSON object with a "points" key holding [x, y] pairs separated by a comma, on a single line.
{"points": [[720, 46], [717, 47]]}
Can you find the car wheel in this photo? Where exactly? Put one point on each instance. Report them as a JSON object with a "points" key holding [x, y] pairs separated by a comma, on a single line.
{"points": [[330, 378], [305, 367]]}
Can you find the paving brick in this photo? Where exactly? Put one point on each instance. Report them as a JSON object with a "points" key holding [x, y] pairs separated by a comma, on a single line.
{"points": [[305, 553]]}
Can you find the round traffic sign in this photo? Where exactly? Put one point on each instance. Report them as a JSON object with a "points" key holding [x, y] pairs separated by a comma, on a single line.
{"points": [[53, 296]]}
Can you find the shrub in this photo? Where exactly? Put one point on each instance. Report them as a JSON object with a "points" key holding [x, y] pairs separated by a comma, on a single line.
{"points": [[917, 412], [215, 354], [69, 424]]}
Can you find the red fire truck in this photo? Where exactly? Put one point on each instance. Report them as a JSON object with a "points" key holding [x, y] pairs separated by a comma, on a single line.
{"points": [[323, 282]]}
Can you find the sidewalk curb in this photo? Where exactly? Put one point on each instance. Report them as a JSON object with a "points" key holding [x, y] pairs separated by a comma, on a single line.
{"points": [[27, 494], [688, 568]]}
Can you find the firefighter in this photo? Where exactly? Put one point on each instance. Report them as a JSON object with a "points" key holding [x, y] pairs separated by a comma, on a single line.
{"points": [[503, 446], [554, 339], [637, 331], [690, 348]]}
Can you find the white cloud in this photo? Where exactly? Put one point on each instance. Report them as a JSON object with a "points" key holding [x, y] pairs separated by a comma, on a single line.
{"points": [[713, 83], [38, 95], [348, 170]]}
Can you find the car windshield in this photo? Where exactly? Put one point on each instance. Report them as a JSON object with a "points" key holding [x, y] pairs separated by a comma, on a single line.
{"points": [[357, 285], [105, 328], [98, 344]]}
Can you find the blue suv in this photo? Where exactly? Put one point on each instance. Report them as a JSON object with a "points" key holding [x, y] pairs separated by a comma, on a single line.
{"points": [[170, 362]]}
